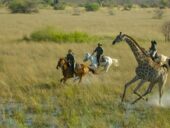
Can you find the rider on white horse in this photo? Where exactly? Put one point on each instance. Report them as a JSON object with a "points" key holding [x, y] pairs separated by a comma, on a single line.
{"points": [[106, 64], [99, 51]]}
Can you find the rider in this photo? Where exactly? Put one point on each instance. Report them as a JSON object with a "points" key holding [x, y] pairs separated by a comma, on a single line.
{"points": [[99, 52], [153, 50], [70, 59]]}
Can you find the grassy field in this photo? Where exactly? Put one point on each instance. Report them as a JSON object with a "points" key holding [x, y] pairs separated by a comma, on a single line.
{"points": [[30, 94]]}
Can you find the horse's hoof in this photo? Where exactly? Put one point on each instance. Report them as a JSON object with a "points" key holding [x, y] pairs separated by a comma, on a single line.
{"points": [[133, 102]]}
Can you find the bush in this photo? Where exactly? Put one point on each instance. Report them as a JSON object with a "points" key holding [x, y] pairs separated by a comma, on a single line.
{"points": [[50, 34], [76, 12], [92, 6], [143, 5], [111, 12], [158, 14], [23, 6], [127, 7], [60, 6]]}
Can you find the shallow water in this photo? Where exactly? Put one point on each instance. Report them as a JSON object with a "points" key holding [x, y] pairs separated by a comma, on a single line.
{"points": [[9, 109], [165, 101]]}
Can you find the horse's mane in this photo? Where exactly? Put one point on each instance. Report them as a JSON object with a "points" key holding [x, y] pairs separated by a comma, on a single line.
{"points": [[63, 58], [142, 49]]}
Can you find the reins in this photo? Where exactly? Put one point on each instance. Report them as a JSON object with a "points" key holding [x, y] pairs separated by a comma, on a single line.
{"points": [[136, 44]]}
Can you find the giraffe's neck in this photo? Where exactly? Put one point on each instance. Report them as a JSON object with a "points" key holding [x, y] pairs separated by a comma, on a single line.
{"points": [[138, 52]]}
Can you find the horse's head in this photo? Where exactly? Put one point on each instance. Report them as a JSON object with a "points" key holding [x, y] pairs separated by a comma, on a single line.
{"points": [[118, 38], [61, 62], [86, 57], [168, 62], [162, 59]]}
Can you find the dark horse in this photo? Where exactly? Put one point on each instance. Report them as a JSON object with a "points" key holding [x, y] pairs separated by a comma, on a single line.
{"points": [[80, 70]]}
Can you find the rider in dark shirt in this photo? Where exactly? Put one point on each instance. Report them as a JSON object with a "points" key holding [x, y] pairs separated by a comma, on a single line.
{"points": [[99, 52], [70, 59]]}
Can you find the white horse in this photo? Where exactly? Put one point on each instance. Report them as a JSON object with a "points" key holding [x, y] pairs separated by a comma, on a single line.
{"points": [[106, 64], [161, 59]]}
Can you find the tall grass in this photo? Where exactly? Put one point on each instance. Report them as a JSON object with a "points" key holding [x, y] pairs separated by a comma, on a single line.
{"points": [[51, 34], [30, 81]]}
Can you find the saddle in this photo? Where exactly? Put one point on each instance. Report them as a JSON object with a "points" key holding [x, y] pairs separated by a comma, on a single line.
{"points": [[102, 58], [78, 67], [156, 58]]}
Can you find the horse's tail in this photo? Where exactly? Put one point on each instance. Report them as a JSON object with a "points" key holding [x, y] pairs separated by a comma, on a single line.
{"points": [[92, 70], [115, 62]]}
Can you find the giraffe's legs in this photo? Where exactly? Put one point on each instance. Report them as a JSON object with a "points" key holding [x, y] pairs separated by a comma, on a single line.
{"points": [[160, 93], [128, 84], [151, 85], [161, 86], [137, 88]]}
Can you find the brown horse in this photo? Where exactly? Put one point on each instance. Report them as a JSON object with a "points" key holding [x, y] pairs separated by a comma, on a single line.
{"points": [[80, 70]]}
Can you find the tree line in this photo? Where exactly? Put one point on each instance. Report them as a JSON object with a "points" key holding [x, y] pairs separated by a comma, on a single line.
{"points": [[142, 3]]}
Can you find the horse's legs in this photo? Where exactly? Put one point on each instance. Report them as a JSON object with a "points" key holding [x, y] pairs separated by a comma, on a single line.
{"points": [[80, 78], [76, 78], [64, 81], [106, 67], [128, 84], [61, 80]]}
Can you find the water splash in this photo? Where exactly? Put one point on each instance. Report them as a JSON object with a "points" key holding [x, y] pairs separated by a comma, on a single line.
{"points": [[165, 101]]}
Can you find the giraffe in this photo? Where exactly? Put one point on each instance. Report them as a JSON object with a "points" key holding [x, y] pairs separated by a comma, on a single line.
{"points": [[146, 71]]}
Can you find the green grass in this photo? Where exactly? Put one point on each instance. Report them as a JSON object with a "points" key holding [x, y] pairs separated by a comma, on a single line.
{"points": [[30, 94], [51, 34]]}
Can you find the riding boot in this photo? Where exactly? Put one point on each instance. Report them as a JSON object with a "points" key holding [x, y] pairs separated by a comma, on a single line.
{"points": [[74, 74], [98, 63]]}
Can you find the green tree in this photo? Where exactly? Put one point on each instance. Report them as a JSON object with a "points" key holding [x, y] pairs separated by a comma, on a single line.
{"points": [[6, 2], [100, 2], [165, 3], [166, 30], [23, 6], [56, 1], [92, 6]]}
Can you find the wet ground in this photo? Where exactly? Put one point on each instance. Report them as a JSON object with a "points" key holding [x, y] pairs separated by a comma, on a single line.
{"points": [[14, 115]]}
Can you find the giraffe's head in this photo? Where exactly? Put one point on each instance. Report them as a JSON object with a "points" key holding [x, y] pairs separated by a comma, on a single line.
{"points": [[118, 38]]}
